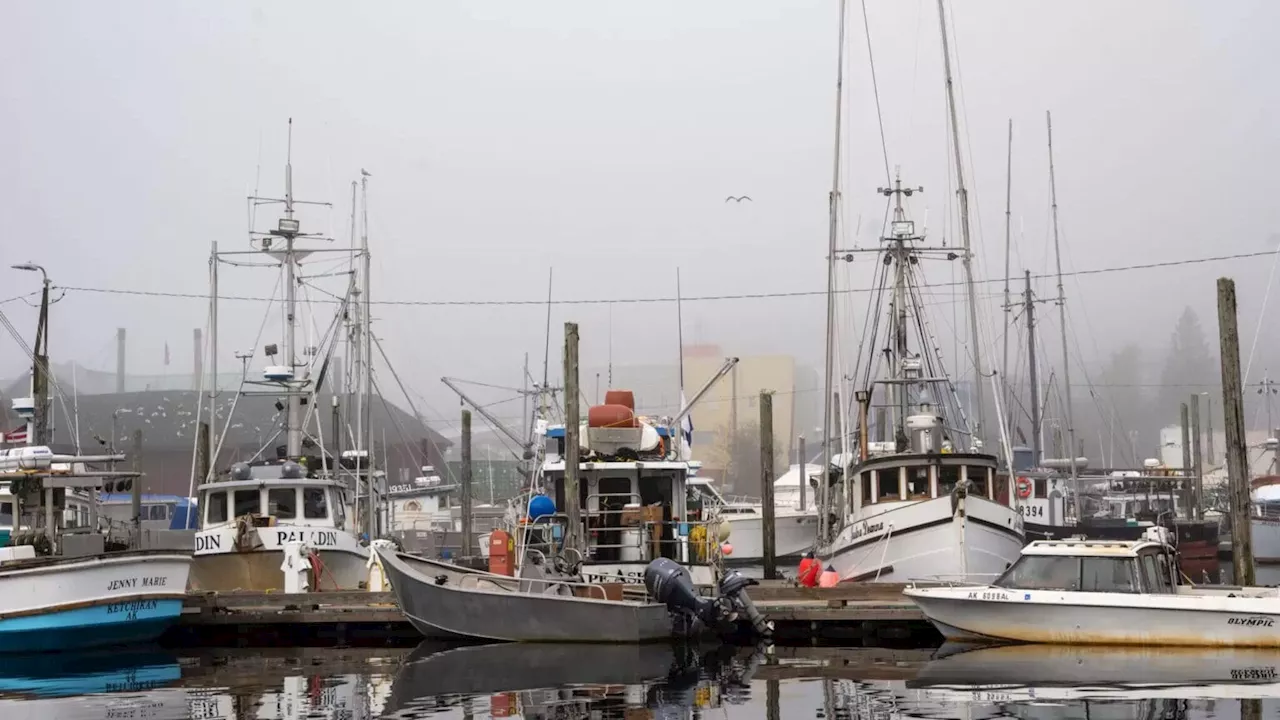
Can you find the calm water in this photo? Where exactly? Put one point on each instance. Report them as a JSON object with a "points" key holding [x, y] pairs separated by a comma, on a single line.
{"points": [[632, 683]]}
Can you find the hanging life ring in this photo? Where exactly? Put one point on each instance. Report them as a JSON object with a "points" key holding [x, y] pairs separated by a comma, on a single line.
{"points": [[1024, 488]]}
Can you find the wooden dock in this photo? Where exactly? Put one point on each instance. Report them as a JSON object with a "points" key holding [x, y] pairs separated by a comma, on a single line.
{"points": [[856, 611]]}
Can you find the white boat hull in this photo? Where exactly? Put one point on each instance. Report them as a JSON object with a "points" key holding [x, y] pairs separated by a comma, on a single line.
{"points": [[794, 535], [53, 604], [219, 567], [1086, 618], [898, 542]]}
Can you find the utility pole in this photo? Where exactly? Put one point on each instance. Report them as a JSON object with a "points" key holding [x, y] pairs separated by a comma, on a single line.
{"points": [[804, 471], [1197, 461], [1062, 321], [572, 502], [1029, 307], [767, 510], [1237, 451], [963, 194]]}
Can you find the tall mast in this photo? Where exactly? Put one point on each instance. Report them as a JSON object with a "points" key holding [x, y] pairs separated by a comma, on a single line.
{"points": [[1062, 322], [213, 363], [963, 194], [833, 202], [293, 423], [366, 381], [1006, 421], [1029, 306]]}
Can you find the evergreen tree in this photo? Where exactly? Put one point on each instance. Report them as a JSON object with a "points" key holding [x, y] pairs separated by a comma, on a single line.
{"points": [[1189, 367]]}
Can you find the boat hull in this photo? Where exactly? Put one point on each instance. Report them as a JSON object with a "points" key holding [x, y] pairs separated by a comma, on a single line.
{"points": [[57, 604], [259, 571], [922, 539], [447, 610], [1075, 618], [795, 534]]}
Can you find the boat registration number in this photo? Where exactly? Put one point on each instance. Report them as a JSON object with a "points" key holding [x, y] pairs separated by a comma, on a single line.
{"points": [[988, 595], [1031, 510]]}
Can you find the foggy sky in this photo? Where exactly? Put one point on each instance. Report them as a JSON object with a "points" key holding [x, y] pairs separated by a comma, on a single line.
{"points": [[506, 138]]}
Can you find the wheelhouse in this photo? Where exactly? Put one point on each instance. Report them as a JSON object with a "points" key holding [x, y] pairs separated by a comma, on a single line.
{"points": [[303, 501], [911, 477], [1094, 566]]}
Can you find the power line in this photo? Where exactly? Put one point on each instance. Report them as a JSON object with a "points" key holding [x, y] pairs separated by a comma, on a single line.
{"points": [[665, 299]]}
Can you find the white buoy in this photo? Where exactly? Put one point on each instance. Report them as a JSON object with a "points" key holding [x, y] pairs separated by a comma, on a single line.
{"points": [[296, 567], [377, 575]]}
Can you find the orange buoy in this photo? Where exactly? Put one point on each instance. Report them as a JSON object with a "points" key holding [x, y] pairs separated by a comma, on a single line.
{"points": [[726, 549], [809, 571], [830, 578]]}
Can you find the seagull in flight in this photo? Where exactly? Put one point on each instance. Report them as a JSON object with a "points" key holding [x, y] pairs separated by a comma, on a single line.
{"points": [[739, 198]]}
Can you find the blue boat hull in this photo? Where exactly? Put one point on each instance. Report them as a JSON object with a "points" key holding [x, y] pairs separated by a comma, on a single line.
{"points": [[112, 623]]}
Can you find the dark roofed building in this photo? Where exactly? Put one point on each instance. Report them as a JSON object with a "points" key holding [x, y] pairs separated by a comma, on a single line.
{"points": [[168, 422]]}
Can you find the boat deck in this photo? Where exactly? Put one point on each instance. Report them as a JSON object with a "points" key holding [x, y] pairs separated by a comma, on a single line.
{"points": [[357, 617]]}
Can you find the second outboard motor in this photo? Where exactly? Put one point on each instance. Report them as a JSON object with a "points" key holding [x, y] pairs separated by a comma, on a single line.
{"points": [[670, 584], [733, 590]]}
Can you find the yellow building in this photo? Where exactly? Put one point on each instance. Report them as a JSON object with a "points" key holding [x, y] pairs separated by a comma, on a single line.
{"points": [[731, 410]]}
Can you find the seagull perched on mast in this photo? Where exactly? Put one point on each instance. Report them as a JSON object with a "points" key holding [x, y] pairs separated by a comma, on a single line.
{"points": [[739, 198]]}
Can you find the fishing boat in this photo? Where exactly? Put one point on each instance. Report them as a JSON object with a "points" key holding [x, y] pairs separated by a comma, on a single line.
{"points": [[300, 506], [63, 592], [542, 605], [1102, 592], [795, 518], [911, 504]]}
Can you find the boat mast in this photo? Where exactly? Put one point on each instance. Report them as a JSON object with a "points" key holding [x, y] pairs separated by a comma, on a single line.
{"points": [[833, 202], [213, 364], [1062, 322], [366, 381], [1007, 419], [1029, 307], [967, 257], [288, 230]]}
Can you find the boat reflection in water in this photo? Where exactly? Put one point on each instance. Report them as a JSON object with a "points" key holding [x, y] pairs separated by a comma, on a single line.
{"points": [[132, 683], [569, 681]]}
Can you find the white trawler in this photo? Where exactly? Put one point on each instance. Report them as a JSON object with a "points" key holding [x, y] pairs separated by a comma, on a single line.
{"points": [[911, 504], [302, 508]]}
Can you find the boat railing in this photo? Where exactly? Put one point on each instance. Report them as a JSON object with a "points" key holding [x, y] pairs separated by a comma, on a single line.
{"points": [[689, 541], [952, 580]]}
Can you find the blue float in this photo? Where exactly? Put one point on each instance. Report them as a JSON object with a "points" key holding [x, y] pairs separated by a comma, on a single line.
{"points": [[541, 506]]}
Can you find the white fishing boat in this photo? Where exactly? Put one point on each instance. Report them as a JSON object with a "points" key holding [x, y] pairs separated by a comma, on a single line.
{"points": [[911, 504], [795, 519], [303, 507], [1264, 518], [1102, 593]]}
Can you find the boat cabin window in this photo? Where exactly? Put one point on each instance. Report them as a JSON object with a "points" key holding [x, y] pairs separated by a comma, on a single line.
{"points": [[1041, 487], [157, 512], [248, 502], [978, 476], [1163, 561], [1105, 574], [314, 506], [1152, 579], [917, 483], [948, 478], [1042, 572], [217, 512], [890, 485], [1002, 489], [6, 514], [864, 479], [282, 503]]}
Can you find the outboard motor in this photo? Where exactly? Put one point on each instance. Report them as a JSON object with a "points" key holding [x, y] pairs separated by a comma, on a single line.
{"points": [[670, 584], [733, 593]]}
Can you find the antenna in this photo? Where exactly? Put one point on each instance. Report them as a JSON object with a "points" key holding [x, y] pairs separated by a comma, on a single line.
{"points": [[288, 173], [680, 332]]}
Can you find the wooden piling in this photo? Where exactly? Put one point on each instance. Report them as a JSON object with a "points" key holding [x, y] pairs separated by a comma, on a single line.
{"points": [[1236, 449], [202, 452], [136, 456], [768, 527], [1197, 461], [804, 473], [1186, 461], [466, 546], [572, 501]]}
